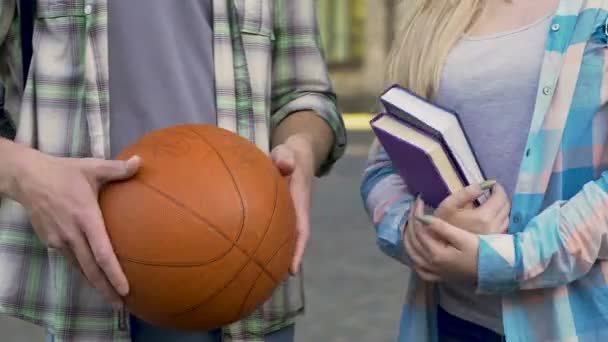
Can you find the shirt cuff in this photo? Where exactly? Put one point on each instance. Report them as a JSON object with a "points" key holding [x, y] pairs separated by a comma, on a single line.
{"points": [[326, 109], [497, 270], [603, 182]]}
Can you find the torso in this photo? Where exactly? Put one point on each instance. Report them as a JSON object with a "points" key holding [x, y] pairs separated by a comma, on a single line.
{"points": [[495, 100], [161, 67], [504, 16]]}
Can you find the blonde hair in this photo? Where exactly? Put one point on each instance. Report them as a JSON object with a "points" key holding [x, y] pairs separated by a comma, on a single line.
{"points": [[428, 30]]}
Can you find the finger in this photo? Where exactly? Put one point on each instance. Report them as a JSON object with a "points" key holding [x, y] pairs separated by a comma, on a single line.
{"points": [[92, 271], [284, 159], [496, 202], [503, 219], [503, 226], [418, 207], [410, 234], [412, 237], [497, 224], [301, 194], [438, 233], [115, 170], [427, 275], [415, 255], [104, 256], [69, 255], [465, 196]]}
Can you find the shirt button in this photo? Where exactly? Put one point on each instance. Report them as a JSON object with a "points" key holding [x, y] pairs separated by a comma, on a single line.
{"points": [[547, 91], [88, 9], [517, 218], [555, 27]]}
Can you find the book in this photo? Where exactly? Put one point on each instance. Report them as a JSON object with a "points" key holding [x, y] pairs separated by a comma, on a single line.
{"points": [[443, 127], [420, 159]]}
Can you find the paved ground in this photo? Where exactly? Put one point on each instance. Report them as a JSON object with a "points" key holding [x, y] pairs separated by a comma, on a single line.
{"points": [[353, 291]]}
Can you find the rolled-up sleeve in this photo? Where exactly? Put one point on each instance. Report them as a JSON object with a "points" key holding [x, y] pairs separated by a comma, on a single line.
{"points": [[387, 202], [300, 76], [557, 247]]}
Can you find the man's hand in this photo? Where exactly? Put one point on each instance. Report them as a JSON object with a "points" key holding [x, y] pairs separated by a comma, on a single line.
{"points": [[61, 196], [295, 160], [451, 253], [492, 217]]}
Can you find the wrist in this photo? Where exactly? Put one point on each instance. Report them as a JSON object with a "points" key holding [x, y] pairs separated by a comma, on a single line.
{"points": [[303, 146], [15, 168], [301, 142]]}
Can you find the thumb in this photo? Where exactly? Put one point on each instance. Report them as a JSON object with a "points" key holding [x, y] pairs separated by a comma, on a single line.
{"points": [[284, 160], [115, 170], [444, 231], [465, 196]]}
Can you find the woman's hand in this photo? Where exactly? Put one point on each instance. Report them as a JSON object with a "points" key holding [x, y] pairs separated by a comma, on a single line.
{"points": [[413, 247], [492, 217], [452, 252]]}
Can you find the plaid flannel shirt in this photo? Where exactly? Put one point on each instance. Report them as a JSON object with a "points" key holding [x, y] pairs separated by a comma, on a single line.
{"points": [[552, 269], [268, 64]]}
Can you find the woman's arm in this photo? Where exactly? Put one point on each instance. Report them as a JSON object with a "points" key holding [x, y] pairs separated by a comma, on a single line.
{"points": [[387, 202], [556, 248]]}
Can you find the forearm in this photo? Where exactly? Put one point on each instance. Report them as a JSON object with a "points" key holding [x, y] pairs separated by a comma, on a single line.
{"points": [[309, 127], [388, 202], [13, 158], [557, 247], [301, 84]]}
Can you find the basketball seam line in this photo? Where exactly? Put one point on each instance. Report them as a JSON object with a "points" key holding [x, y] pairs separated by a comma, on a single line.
{"points": [[215, 294], [276, 200], [178, 265], [236, 186], [231, 176], [262, 268], [276, 283], [198, 217], [274, 210]]}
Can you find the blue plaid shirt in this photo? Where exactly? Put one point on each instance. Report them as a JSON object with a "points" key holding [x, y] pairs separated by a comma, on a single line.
{"points": [[552, 268]]}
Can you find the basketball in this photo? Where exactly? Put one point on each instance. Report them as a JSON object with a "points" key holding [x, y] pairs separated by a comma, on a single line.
{"points": [[204, 232]]}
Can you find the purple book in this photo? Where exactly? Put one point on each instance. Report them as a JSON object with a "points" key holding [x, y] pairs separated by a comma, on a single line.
{"points": [[443, 130], [418, 157]]}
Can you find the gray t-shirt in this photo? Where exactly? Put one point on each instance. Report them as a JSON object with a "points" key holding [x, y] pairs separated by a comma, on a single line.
{"points": [[161, 66], [492, 83]]}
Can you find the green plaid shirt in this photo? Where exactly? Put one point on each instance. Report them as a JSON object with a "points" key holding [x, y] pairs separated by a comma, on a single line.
{"points": [[268, 64]]}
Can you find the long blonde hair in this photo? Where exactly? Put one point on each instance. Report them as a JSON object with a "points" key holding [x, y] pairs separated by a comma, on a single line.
{"points": [[427, 32]]}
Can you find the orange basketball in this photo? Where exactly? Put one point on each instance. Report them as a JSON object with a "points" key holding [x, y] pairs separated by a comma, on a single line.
{"points": [[204, 232]]}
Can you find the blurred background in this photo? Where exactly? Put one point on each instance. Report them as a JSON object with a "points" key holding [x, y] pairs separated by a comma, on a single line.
{"points": [[353, 292], [356, 36]]}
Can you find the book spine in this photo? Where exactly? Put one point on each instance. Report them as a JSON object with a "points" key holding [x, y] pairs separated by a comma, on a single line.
{"points": [[413, 122], [418, 172]]}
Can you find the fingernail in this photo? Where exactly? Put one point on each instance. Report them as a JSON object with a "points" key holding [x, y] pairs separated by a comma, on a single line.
{"points": [[134, 159], [123, 290], [487, 185], [294, 270], [426, 219]]}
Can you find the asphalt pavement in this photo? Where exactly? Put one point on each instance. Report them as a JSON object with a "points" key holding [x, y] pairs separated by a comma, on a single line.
{"points": [[353, 292]]}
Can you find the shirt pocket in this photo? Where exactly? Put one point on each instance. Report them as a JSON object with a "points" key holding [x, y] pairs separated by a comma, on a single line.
{"points": [[256, 22], [59, 31], [256, 17], [48, 9]]}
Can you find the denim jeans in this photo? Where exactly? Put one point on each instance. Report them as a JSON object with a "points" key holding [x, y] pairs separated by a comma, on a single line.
{"points": [[144, 332], [454, 329]]}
